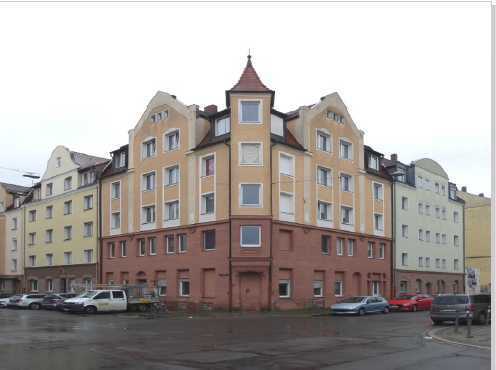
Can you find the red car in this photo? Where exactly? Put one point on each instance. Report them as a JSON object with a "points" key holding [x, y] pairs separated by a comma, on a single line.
{"points": [[411, 302]]}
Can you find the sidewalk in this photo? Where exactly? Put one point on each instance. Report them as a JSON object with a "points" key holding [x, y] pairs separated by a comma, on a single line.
{"points": [[481, 335]]}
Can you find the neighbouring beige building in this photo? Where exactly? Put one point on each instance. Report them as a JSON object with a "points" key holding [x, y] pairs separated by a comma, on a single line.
{"points": [[478, 236]]}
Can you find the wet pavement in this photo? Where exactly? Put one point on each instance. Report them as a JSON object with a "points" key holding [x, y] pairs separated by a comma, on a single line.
{"points": [[53, 340], [480, 335]]}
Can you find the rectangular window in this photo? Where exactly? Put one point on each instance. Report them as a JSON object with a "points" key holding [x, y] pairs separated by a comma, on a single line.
{"points": [[404, 231], [420, 209], [88, 229], [438, 263], [49, 212], [68, 183], [324, 210], [14, 223], [351, 247], [250, 111], [324, 176], [336, 117], [286, 165], [251, 154], [13, 265], [149, 148], [31, 216], [404, 259], [68, 207], [14, 245], [427, 262], [162, 288], [378, 191], [427, 236], [443, 261], [251, 195], [437, 212], [286, 205], [152, 244], [421, 262], [111, 250], [284, 289], [183, 243], [208, 204], [208, 166], [141, 247], [123, 244], [251, 236], [382, 250], [49, 189], [121, 159], [438, 238], [209, 240], [116, 220], [339, 246], [436, 187], [443, 238], [171, 175], [456, 217], [172, 141], [318, 288], [370, 250], [88, 256], [421, 234], [346, 215], [67, 258], [374, 162], [456, 264], [49, 236], [32, 261], [325, 243], [32, 239], [378, 222], [172, 210], [346, 183], [116, 190], [149, 181], [49, 285], [184, 287], [404, 203], [88, 202], [222, 126], [169, 244], [427, 210], [456, 241], [148, 214], [67, 232], [346, 150], [443, 213], [323, 141], [338, 288]]}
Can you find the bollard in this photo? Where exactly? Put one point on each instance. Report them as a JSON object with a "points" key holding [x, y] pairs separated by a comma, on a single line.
{"points": [[456, 322], [469, 325]]}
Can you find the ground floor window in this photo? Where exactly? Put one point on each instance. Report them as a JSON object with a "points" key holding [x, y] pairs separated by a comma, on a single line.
{"points": [[318, 288], [184, 287], [49, 285], [284, 289], [338, 288], [162, 288], [376, 288], [33, 284], [403, 286], [88, 285]]}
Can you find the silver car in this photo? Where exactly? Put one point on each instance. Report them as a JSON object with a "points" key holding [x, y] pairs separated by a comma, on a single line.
{"points": [[360, 305], [31, 301]]}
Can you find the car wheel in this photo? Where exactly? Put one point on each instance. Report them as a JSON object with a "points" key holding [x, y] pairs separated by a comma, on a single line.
{"points": [[361, 312], [90, 309], [385, 310], [34, 306], [414, 308]]}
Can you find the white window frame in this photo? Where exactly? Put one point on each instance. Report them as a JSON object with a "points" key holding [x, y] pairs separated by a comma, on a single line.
{"points": [[227, 126], [341, 286], [260, 195], [328, 177], [112, 223], [351, 247], [351, 182], [143, 146], [352, 215], [143, 181], [166, 173], [203, 205], [260, 112], [370, 249], [329, 211], [171, 132], [318, 284], [351, 151], [151, 241], [404, 231], [143, 219], [289, 157], [404, 259], [340, 246], [240, 154], [167, 205], [323, 132], [382, 251], [181, 282], [88, 201], [180, 248], [380, 185], [112, 187], [243, 245], [284, 281], [123, 250], [141, 247], [203, 167]]}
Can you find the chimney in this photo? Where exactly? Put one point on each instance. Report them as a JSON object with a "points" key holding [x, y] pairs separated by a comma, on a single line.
{"points": [[394, 157], [481, 195], [464, 189], [212, 108]]}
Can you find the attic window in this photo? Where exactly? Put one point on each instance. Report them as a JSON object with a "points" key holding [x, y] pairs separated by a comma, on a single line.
{"points": [[159, 116], [336, 117], [374, 162], [250, 111], [59, 161], [222, 126]]}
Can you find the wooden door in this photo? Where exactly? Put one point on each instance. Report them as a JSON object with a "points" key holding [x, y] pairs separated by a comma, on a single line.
{"points": [[250, 291]]}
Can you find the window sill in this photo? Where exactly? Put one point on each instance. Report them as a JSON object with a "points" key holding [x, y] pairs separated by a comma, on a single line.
{"points": [[251, 164], [171, 150], [285, 297], [251, 246], [250, 122], [324, 151], [171, 185], [209, 250], [169, 253]]}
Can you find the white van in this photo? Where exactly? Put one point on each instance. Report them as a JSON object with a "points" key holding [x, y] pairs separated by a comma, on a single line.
{"points": [[94, 301]]}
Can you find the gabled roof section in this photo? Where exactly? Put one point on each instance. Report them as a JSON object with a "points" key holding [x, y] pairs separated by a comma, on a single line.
{"points": [[86, 160], [249, 82], [431, 166], [15, 189]]}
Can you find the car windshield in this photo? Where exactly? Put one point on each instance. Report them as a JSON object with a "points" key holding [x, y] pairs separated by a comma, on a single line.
{"points": [[88, 294], [405, 296], [451, 299], [353, 300]]}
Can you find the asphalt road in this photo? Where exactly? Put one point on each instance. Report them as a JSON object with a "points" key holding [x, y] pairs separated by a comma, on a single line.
{"points": [[51, 340]]}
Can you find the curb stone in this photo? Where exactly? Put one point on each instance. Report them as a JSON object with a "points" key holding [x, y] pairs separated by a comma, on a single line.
{"points": [[432, 333]]}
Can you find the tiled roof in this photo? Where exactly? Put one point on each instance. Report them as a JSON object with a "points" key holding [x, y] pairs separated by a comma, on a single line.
{"points": [[249, 80], [85, 160], [13, 188]]}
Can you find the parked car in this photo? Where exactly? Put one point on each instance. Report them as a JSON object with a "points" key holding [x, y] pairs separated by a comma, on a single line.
{"points": [[360, 305], [31, 301], [448, 307], [4, 299], [54, 301], [411, 302]]}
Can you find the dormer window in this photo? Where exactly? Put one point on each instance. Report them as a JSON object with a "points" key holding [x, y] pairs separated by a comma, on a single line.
{"points": [[336, 117], [172, 140], [59, 161], [159, 116], [374, 162], [222, 126], [120, 160], [250, 111], [149, 148]]}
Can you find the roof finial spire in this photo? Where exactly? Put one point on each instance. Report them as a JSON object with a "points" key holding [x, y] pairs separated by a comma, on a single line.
{"points": [[249, 54]]}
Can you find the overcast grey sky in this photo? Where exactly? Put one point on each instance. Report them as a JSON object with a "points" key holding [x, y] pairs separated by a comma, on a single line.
{"points": [[415, 77]]}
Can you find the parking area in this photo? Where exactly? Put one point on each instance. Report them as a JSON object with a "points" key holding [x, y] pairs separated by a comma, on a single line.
{"points": [[53, 340]]}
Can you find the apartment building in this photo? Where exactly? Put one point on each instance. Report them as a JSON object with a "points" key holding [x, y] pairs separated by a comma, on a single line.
{"points": [[61, 224], [247, 207], [11, 237], [428, 254], [477, 240]]}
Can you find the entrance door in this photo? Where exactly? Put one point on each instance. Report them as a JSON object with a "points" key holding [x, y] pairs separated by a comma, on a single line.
{"points": [[376, 288], [250, 291]]}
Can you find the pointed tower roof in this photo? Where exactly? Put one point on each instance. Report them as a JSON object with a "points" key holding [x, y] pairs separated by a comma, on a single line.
{"points": [[249, 82]]}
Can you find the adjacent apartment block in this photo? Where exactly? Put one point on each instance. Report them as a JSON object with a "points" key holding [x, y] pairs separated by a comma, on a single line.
{"points": [[61, 224], [247, 207], [11, 237], [428, 253], [478, 236]]}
